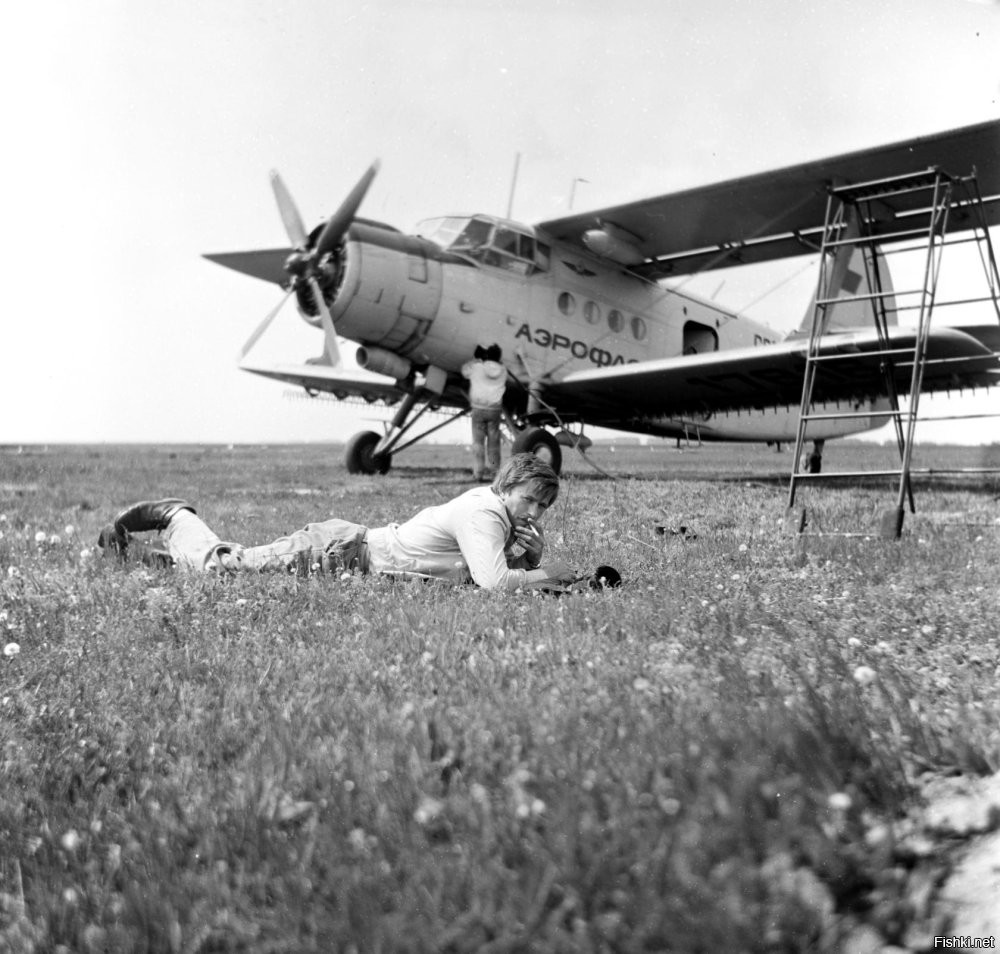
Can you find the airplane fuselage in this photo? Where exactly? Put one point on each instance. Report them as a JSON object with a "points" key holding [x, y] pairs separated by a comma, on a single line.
{"points": [[406, 295], [411, 304]]}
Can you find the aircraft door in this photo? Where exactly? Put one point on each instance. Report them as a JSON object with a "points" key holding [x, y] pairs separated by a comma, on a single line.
{"points": [[699, 338]]}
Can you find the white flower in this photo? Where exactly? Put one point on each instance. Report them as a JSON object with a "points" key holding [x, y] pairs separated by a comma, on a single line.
{"points": [[69, 529], [864, 675], [428, 810], [55, 539], [13, 571], [854, 642], [70, 839], [41, 536], [85, 554], [839, 801], [11, 649]]}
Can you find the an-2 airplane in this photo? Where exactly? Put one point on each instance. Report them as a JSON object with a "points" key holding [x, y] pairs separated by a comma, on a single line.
{"points": [[589, 334]]}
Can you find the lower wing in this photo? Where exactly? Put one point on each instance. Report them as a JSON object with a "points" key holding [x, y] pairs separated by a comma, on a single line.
{"points": [[852, 367], [317, 378]]}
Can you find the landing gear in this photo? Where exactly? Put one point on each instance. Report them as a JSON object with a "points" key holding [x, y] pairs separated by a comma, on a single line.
{"points": [[814, 462], [361, 458], [371, 453], [538, 441]]}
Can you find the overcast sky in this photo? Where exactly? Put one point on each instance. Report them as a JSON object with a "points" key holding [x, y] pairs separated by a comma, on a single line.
{"points": [[139, 135]]}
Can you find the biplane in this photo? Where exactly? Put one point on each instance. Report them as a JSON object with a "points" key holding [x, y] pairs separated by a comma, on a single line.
{"points": [[590, 332]]}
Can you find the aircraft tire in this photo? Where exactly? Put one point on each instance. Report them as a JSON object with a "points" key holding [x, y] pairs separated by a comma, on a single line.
{"points": [[538, 441], [360, 458]]}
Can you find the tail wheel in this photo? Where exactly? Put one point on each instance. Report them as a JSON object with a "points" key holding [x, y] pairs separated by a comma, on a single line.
{"points": [[541, 443], [361, 458]]}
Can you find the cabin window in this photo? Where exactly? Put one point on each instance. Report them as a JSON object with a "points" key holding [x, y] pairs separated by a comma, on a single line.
{"points": [[567, 303], [638, 328], [615, 320], [592, 312]]}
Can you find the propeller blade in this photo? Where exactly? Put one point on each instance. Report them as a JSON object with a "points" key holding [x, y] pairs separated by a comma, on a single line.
{"points": [[338, 223], [289, 213], [263, 326], [330, 333]]}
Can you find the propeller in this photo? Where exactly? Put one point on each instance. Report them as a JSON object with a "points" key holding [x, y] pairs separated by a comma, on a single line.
{"points": [[305, 264], [263, 326]]}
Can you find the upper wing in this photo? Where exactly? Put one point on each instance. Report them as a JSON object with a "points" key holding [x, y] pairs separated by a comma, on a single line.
{"points": [[781, 213], [321, 377], [772, 375]]}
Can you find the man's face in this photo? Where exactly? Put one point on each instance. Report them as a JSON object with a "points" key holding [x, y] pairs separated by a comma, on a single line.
{"points": [[524, 503]]}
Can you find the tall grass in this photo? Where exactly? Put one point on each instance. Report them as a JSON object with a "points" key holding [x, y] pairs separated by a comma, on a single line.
{"points": [[720, 756]]}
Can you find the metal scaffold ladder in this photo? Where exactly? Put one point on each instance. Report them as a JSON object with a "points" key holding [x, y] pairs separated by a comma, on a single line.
{"points": [[856, 220]]}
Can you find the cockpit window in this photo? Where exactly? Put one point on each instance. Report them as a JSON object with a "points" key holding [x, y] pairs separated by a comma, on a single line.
{"points": [[488, 241], [475, 235]]}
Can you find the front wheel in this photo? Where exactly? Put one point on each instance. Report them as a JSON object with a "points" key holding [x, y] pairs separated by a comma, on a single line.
{"points": [[361, 458], [541, 443]]}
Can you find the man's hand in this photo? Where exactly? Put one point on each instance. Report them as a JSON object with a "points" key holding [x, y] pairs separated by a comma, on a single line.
{"points": [[556, 571], [529, 535]]}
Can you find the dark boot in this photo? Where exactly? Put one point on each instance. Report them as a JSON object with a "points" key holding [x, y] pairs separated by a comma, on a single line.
{"points": [[146, 515], [149, 515]]}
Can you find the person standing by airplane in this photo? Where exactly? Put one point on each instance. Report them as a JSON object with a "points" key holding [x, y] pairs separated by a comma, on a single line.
{"points": [[487, 383], [468, 539]]}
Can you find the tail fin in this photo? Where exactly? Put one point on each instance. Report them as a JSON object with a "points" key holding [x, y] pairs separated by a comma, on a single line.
{"points": [[852, 272]]}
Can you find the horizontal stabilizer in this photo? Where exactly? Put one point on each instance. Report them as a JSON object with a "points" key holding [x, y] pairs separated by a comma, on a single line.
{"points": [[267, 264]]}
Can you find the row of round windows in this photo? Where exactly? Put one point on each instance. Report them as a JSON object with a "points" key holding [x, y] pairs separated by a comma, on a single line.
{"points": [[592, 315]]}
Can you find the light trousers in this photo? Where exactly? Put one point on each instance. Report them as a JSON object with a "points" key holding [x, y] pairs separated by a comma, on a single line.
{"points": [[328, 546], [485, 441]]}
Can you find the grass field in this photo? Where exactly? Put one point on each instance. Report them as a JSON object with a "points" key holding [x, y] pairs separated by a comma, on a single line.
{"points": [[723, 755]]}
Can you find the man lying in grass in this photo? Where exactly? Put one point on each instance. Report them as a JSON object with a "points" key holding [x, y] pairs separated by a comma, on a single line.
{"points": [[468, 539]]}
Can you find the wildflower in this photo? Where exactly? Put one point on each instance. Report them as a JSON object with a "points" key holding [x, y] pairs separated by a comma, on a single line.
{"points": [[428, 810], [927, 630], [55, 540], [11, 649], [669, 806], [41, 536], [86, 553], [854, 642], [345, 576], [743, 548], [70, 839], [69, 529], [839, 801], [641, 684], [864, 675]]}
